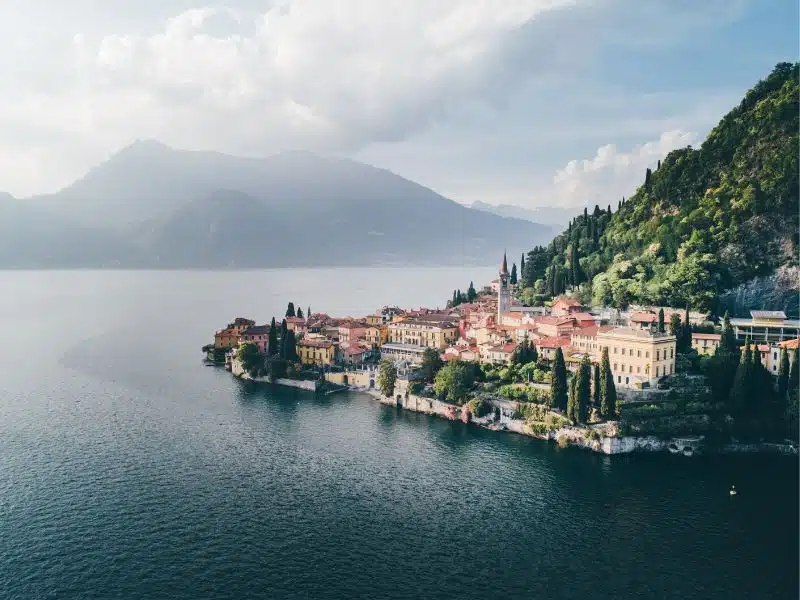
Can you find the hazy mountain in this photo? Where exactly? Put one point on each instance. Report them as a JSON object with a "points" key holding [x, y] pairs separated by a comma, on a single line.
{"points": [[555, 216], [152, 205]]}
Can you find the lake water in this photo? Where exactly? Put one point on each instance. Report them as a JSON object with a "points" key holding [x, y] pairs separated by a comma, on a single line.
{"points": [[130, 470]]}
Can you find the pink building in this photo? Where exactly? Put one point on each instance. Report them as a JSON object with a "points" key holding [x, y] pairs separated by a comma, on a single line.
{"points": [[258, 335]]}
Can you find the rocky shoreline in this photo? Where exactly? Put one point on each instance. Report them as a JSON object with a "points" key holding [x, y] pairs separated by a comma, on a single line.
{"points": [[589, 438]]}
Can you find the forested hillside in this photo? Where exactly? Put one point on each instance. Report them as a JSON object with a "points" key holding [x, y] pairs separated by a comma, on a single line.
{"points": [[704, 221]]}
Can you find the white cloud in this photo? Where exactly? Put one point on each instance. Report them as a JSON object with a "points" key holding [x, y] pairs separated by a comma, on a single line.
{"points": [[328, 76], [611, 174]]}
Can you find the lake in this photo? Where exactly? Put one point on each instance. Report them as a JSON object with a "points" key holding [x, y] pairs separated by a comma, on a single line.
{"points": [[128, 469]]}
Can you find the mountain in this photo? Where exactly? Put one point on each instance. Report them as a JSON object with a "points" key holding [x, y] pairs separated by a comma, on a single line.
{"points": [[175, 208], [706, 221], [546, 215]]}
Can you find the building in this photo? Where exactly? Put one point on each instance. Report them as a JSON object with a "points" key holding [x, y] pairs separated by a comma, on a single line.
{"points": [[499, 354], [408, 352], [771, 354], [296, 324], [564, 306], [503, 291], [554, 326], [316, 351], [240, 324], [353, 352], [351, 331], [643, 319], [546, 347], [638, 358], [766, 326], [585, 339], [705, 343], [427, 331], [376, 335], [258, 335], [226, 338], [375, 319]]}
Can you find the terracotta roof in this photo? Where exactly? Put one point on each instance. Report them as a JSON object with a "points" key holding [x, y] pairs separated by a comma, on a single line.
{"points": [[583, 316], [566, 300], [706, 336], [505, 348], [552, 342], [551, 320], [790, 344], [592, 331], [315, 343], [644, 317]]}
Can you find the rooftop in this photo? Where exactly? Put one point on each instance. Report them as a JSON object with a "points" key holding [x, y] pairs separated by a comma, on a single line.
{"points": [[404, 347], [768, 314], [706, 336], [315, 343], [642, 334]]}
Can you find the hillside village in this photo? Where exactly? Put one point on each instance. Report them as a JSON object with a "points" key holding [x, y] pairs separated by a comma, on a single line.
{"points": [[516, 353]]}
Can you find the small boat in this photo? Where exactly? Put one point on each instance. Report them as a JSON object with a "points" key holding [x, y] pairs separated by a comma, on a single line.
{"points": [[733, 491]]}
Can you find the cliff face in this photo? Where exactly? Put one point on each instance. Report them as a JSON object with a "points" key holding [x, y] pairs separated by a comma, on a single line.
{"points": [[778, 291]]}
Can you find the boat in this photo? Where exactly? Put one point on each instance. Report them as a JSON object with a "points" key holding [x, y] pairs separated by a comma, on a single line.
{"points": [[733, 491]]}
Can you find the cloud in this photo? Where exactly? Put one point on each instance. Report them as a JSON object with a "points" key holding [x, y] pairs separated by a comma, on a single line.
{"points": [[612, 174]]}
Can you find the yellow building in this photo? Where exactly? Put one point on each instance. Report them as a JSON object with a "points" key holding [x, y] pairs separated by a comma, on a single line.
{"points": [[705, 343], [638, 357], [429, 331], [316, 351], [377, 335], [374, 319]]}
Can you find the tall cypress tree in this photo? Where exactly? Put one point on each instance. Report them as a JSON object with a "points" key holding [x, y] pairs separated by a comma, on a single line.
{"points": [[583, 390], [522, 267], [289, 348], [728, 338], [513, 278], [290, 309], [299, 313], [783, 377], [687, 331], [661, 326], [608, 390], [272, 340], [572, 399], [596, 387], [471, 293], [741, 383], [558, 382]]}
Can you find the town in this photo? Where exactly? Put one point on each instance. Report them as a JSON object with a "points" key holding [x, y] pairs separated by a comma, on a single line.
{"points": [[587, 376]]}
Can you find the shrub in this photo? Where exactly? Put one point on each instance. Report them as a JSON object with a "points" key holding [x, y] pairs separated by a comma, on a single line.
{"points": [[479, 407], [538, 428]]}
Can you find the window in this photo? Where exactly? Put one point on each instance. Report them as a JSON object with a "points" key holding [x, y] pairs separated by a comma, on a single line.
{"points": [[638, 369], [672, 352], [656, 371], [627, 380], [638, 354], [619, 378], [647, 354], [615, 366], [630, 352], [630, 368], [615, 349], [658, 354]]}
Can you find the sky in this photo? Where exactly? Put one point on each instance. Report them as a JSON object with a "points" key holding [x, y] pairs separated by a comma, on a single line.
{"points": [[527, 102]]}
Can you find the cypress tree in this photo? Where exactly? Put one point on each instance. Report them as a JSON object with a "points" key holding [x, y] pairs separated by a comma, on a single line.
{"points": [[308, 312], [299, 313], [647, 174], [272, 340], [583, 389], [289, 348], [513, 278], [661, 326], [608, 210], [728, 338], [783, 377], [471, 293], [572, 400], [739, 390], [596, 388], [608, 390], [558, 382], [290, 309], [454, 301], [687, 331], [522, 266], [675, 327]]}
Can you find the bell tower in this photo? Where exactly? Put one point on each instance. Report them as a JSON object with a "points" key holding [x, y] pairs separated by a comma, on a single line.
{"points": [[503, 292]]}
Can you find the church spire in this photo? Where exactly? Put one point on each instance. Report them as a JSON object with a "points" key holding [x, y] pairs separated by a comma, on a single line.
{"points": [[504, 268]]}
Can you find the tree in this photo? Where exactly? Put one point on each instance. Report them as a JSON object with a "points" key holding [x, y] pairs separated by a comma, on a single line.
{"points": [[513, 278], [308, 312], [289, 347], [783, 377], [661, 326], [272, 341], [252, 360], [522, 266], [471, 293], [454, 381], [431, 363], [558, 382], [608, 390], [728, 338], [741, 382], [596, 386], [290, 310], [794, 379], [387, 377], [687, 331], [572, 400], [675, 327], [647, 175], [584, 389], [299, 313]]}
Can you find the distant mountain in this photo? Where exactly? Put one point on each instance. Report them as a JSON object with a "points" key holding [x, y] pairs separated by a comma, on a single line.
{"points": [[150, 205], [546, 215]]}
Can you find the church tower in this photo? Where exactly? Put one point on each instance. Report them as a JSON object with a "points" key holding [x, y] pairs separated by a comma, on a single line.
{"points": [[503, 292]]}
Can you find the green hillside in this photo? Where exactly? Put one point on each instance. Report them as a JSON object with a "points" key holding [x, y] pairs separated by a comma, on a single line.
{"points": [[705, 221]]}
